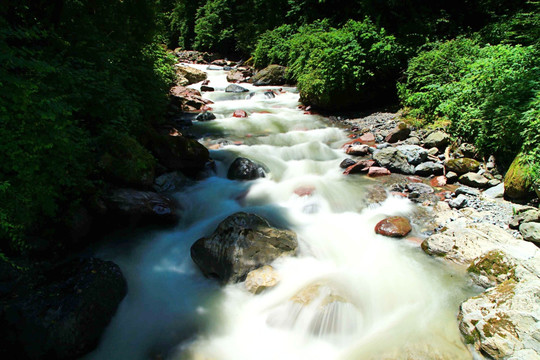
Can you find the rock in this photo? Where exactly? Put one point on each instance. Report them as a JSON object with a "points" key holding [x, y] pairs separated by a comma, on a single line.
{"points": [[495, 192], [141, 206], [530, 231], [517, 184], [467, 150], [415, 154], [64, 316], [233, 88], [438, 139], [395, 226], [420, 188], [452, 177], [529, 215], [367, 138], [413, 140], [357, 150], [239, 75], [459, 202], [205, 116], [433, 151], [269, 94], [245, 169], [492, 268], [438, 181], [375, 171], [261, 279], [214, 67], [428, 168], [179, 153], [270, 75], [171, 182], [467, 191], [375, 194], [392, 159], [220, 62], [240, 114], [187, 99], [207, 88], [473, 180], [241, 243], [493, 182], [400, 132], [189, 74], [361, 166], [346, 163], [462, 166]]}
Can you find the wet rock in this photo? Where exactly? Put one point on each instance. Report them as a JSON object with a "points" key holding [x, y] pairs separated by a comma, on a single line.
{"points": [[269, 94], [376, 171], [233, 88], [361, 166], [517, 184], [171, 182], [413, 140], [438, 181], [420, 188], [414, 154], [395, 226], [187, 75], [467, 191], [357, 150], [64, 317], [239, 75], [400, 132], [346, 163], [376, 194], [459, 202], [245, 169], [205, 116], [187, 99], [530, 231], [179, 153], [474, 180], [392, 159], [495, 192], [239, 114], [241, 243], [270, 75], [261, 279], [492, 182], [428, 168], [463, 165], [438, 139], [207, 88], [141, 206]]}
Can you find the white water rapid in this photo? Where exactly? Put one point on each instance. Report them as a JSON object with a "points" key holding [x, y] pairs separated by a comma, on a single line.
{"points": [[373, 297]]}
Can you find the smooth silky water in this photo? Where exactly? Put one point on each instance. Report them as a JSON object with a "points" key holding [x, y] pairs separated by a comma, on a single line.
{"points": [[372, 297]]}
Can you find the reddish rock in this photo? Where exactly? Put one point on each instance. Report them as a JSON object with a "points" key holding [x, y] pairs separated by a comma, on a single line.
{"points": [[187, 99], [240, 114], [304, 190], [438, 181], [414, 179], [400, 132], [375, 171], [395, 226], [359, 167], [357, 150], [367, 138]]}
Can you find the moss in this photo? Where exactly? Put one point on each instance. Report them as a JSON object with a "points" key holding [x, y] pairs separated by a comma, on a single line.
{"points": [[500, 325], [473, 337], [517, 182], [493, 264]]}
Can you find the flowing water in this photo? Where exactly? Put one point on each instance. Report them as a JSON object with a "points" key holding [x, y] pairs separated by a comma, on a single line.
{"points": [[371, 297]]}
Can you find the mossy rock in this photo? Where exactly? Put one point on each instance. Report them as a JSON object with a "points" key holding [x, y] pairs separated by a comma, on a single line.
{"points": [[463, 165], [495, 265], [517, 182], [270, 75], [126, 162]]}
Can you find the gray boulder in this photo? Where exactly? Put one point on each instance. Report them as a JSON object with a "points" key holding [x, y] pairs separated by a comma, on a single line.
{"points": [[530, 231], [233, 88], [459, 202], [415, 154], [473, 180], [245, 169], [438, 139], [393, 160], [270, 75], [241, 243], [429, 168]]}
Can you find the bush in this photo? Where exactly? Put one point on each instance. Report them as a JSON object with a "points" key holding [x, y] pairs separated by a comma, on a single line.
{"points": [[273, 47]]}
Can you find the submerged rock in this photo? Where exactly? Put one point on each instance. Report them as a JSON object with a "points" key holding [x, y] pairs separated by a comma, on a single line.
{"points": [[239, 114], [233, 88], [395, 226], [205, 116], [245, 169], [241, 243], [141, 206]]}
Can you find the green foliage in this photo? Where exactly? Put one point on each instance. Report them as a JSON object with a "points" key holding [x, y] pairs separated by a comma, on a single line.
{"points": [[273, 47], [483, 91]]}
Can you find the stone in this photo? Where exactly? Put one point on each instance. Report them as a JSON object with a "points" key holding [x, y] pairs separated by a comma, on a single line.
{"points": [[529, 215], [207, 88], [474, 180], [414, 154], [530, 231], [400, 132], [187, 75], [269, 94], [214, 68], [241, 243], [462, 166], [438, 139], [420, 188], [467, 191], [375, 194], [493, 182], [171, 182], [270, 75], [367, 138], [65, 314], [395, 226], [459, 202], [467, 150], [517, 184], [187, 99], [233, 88], [361, 166], [245, 169], [392, 159], [375, 171], [141, 206], [492, 268], [357, 150], [452, 177], [239, 75], [413, 140], [179, 153], [261, 279], [495, 192], [205, 116], [438, 181], [429, 168], [433, 151], [346, 163], [239, 114]]}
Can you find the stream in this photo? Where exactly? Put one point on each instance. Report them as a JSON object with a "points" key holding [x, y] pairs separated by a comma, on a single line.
{"points": [[388, 300]]}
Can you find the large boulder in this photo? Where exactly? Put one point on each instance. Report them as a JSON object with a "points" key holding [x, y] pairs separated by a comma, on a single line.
{"points": [[414, 153], [429, 168], [187, 99], [474, 180], [438, 139], [140, 206], [530, 231], [394, 160], [239, 75], [64, 315], [187, 75], [179, 153], [463, 165], [233, 88], [270, 75], [517, 184], [241, 243], [400, 132], [245, 169]]}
